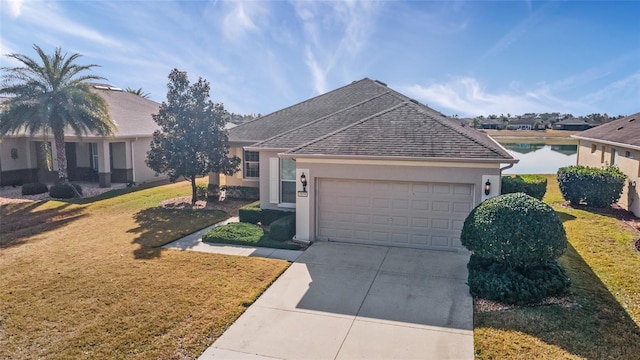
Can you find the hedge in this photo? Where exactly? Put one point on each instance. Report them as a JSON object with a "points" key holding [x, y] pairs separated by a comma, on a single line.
{"points": [[34, 188], [250, 213], [592, 186], [532, 185], [64, 191], [499, 282]]}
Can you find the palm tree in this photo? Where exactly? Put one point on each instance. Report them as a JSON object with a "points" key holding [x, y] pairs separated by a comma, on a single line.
{"points": [[138, 92], [49, 97]]}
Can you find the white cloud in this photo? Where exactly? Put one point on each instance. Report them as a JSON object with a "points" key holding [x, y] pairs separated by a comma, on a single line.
{"points": [[335, 32], [49, 16], [241, 19], [15, 7], [465, 96]]}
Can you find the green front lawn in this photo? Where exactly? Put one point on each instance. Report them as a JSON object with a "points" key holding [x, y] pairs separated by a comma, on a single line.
{"points": [[604, 268], [88, 279]]}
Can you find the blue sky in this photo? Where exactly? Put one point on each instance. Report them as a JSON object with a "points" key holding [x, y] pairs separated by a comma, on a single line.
{"points": [[465, 58]]}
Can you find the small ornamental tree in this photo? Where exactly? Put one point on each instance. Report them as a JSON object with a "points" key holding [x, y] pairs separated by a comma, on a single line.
{"points": [[515, 240], [192, 140]]}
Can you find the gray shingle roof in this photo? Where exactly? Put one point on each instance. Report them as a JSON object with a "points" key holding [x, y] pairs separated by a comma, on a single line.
{"points": [[331, 123], [131, 113], [407, 130], [307, 111], [625, 130]]}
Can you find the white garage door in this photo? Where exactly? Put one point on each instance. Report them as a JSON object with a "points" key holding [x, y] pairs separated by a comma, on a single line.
{"points": [[418, 215]]}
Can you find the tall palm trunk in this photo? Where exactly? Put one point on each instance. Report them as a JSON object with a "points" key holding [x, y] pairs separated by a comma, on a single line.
{"points": [[61, 154]]}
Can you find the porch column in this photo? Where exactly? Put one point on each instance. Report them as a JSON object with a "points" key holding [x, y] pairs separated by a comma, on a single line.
{"points": [[104, 164]]}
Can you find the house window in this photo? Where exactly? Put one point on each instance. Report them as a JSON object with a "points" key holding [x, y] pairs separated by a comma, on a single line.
{"points": [[287, 181], [251, 164], [94, 156], [602, 155], [614, 156], [593, 148]]}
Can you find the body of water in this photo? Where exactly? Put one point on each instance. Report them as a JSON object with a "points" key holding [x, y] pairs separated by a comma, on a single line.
{"points": [[541, 158]]}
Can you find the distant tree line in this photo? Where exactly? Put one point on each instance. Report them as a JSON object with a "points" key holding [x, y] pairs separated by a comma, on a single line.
{"points": [[542, 120]]}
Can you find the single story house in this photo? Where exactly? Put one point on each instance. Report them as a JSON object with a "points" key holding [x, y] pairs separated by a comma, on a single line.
{"points": [[116, 159], [525, 124], [366, 164], [615, 143], [573, 124]]}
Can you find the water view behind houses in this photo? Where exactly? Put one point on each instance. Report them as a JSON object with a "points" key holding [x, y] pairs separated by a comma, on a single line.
{"points": [[541, 157]]}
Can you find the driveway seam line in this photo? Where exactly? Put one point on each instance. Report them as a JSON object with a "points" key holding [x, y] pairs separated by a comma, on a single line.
{"points": [[362, 303]]}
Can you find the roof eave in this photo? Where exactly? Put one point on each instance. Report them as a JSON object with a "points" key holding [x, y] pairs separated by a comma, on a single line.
{"points": [[608, 142], [398, 158]]}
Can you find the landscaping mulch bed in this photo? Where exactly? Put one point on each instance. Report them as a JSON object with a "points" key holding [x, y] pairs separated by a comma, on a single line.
{"points": [[229, 206]]}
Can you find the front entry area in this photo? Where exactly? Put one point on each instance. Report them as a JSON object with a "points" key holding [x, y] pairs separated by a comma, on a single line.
{"points": [[405, 214]]}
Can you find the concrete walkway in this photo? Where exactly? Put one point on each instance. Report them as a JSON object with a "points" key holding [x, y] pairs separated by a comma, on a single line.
{"points": [[194, 242], [342, 301]]}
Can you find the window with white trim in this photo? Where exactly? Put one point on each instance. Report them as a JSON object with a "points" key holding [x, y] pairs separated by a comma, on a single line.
{"points": [[287, 181], [251, 164], [94, 156]]}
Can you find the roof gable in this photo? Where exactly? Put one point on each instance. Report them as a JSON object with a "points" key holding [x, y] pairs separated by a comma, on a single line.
{"points": [[406, 130], [625, 130]]}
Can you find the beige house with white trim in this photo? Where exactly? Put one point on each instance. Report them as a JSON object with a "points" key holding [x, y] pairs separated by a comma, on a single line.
{"points": [[116, 159], [615, 143], [366, 164]]}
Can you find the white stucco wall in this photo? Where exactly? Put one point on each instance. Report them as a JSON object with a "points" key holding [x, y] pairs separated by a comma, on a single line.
{"points": [[26, 156]]}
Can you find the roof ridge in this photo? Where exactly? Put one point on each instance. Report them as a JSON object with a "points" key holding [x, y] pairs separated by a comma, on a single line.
{"points": [[305, 101], [348, 126], [322, 118]]}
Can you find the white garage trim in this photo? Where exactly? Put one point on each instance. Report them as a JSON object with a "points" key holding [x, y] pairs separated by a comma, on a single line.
{"points": [[393, 213]]}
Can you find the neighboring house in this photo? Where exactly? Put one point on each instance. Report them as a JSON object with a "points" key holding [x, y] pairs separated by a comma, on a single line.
{"points": [[116, 159], [491, 124], [615, 143], [573, 124], [522, 124], [380, 168]]}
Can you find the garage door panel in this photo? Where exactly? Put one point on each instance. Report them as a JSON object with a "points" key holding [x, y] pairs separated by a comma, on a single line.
{"points": [[461, 208], [422, 215], [419, 205]]}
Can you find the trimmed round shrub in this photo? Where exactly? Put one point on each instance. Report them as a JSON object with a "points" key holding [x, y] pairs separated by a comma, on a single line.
{"points": [[514, 229], [283, 229], [34, 188], [592, 186], [64, 191], [532, 185], [500, 282]]}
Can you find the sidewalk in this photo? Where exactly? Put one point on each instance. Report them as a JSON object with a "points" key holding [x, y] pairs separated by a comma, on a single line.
{"points": [[193, 242]]}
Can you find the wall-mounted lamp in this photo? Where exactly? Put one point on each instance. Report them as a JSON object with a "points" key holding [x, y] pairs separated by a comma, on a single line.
{"points": [[487, 187], [14, 153], [303, 181], [632, 183]]}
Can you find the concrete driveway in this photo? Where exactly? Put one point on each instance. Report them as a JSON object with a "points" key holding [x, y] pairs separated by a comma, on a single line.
{"points": [[343, 301]]}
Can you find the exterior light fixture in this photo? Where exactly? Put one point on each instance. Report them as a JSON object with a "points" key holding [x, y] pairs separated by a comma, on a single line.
{"points": [[303, 181], [487, 187], [14, 153]]}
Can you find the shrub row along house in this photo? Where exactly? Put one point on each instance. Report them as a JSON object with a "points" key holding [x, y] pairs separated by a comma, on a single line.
{"points": [[104, 160], [615, 143], [366, 164]]}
